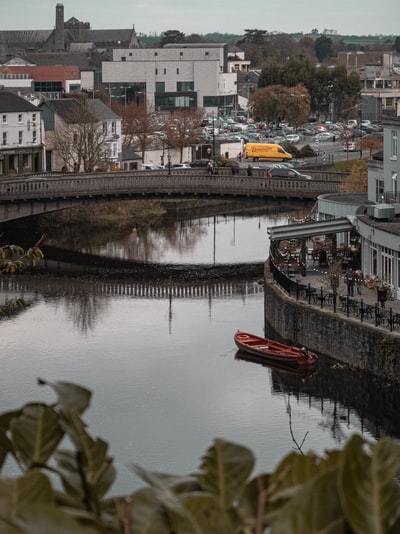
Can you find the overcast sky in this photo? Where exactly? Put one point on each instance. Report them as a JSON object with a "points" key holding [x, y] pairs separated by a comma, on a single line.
{"points": [[347, 17]]}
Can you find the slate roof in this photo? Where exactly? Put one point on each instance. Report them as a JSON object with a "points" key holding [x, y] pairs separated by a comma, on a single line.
{"points": [[70, 110], [12, 103], [99, 110]]}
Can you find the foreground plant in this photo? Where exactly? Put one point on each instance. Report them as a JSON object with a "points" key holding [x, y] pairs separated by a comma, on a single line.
{"points": [[65, 490]]}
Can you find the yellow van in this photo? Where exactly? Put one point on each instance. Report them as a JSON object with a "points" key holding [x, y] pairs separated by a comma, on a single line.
{"points": [[267, 151]]}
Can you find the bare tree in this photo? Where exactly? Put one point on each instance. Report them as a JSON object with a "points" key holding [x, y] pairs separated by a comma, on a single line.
{"points": [[137, 125], [79, 138], [181, 128]]}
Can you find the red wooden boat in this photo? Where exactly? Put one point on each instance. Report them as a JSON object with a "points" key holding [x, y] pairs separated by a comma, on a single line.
{"points": [[273, 351]]}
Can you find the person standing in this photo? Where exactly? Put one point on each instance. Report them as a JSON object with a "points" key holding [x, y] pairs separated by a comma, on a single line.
{"points": [[350, 279], [359, 280]]}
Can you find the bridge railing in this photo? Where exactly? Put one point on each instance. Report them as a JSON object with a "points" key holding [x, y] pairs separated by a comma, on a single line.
{"points": [[183, 181]]}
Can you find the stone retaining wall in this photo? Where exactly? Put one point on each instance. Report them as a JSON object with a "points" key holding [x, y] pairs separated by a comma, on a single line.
{"points": [[346, 340]]}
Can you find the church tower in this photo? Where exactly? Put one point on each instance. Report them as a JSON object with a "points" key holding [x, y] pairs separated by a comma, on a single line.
{"points": [[59, 32]]}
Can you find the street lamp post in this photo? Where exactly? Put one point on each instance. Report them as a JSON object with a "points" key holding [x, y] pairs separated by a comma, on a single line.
{"points": [[169, 162]]}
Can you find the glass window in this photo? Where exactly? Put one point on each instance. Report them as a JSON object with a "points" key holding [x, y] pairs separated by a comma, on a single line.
{"points": [[20, 138], [210, 101], [4, 138], [34, 137], [394, 144], [20, 118], [184, 86], [33, 117], [160, 87], [4, 119]]}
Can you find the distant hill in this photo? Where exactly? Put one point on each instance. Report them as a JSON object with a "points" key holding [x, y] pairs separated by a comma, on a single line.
{"points": [[357, 41]]}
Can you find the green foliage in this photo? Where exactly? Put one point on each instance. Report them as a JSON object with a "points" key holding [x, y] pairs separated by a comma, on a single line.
{"points": [[323, 47], [325, 86], [348, 491], [14, 258]]}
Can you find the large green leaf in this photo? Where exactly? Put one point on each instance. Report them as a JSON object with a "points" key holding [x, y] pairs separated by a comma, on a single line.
{"points": [[225, 470], [293, 471], [370, 496], [33, 488], [315, 509], [144, 512], [35, 434], [94, 466], [46, 519], [71, 473], [172, 503], [252, 502], [204, 513], [71, 398]]}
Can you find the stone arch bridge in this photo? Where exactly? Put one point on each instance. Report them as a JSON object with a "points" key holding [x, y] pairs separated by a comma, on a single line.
{"points": [[36, 194]]}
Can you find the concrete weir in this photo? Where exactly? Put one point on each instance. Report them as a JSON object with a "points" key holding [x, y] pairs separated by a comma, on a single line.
{"points": [[358, 345]]}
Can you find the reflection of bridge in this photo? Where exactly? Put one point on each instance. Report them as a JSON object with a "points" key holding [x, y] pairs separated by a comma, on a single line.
{"points": [[22, 197], [34, 286]]}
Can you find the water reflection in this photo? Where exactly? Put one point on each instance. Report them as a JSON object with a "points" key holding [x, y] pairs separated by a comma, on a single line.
{"points": [[160, 358]]}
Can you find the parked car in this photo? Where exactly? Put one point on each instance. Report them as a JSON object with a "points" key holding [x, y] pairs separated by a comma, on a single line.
{"points": [[350, 147], [293, 138], [288, 173], [283, 165], [181, 166], [324, 136], [202, 163]]}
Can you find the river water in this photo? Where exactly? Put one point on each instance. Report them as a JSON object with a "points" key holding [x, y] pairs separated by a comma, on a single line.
{"points": [[161, 361]]}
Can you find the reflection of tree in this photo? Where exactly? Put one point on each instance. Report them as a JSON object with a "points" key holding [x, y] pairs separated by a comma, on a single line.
{"points": [[84, 310]]}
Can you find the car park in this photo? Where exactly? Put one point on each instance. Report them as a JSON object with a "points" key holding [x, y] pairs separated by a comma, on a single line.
{"points": [[292, 174]]}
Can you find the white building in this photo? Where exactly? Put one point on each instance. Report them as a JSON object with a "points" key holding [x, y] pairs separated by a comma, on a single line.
{"points": [[21, 136], [176, 76]]}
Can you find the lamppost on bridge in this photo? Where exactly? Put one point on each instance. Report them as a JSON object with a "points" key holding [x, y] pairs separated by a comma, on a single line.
{"points": [[169, 162]]}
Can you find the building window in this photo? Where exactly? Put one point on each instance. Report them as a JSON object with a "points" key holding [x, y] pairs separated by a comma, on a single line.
{"points": [[387, 265], [4, 119], [160, 87], [48, 87], [123, 58], [184, 86], [177, 71], [34, 137], [393, 153], [206, 53], [19, 118], [181, 54], [156, 53], [4, 138], [113, 127], [210, 101], [156, 72], [33, 117], [165, 71], [379, 190], [20, 138]]}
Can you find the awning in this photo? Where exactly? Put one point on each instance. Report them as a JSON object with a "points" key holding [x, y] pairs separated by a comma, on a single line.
{"points": [[309, 229]]}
